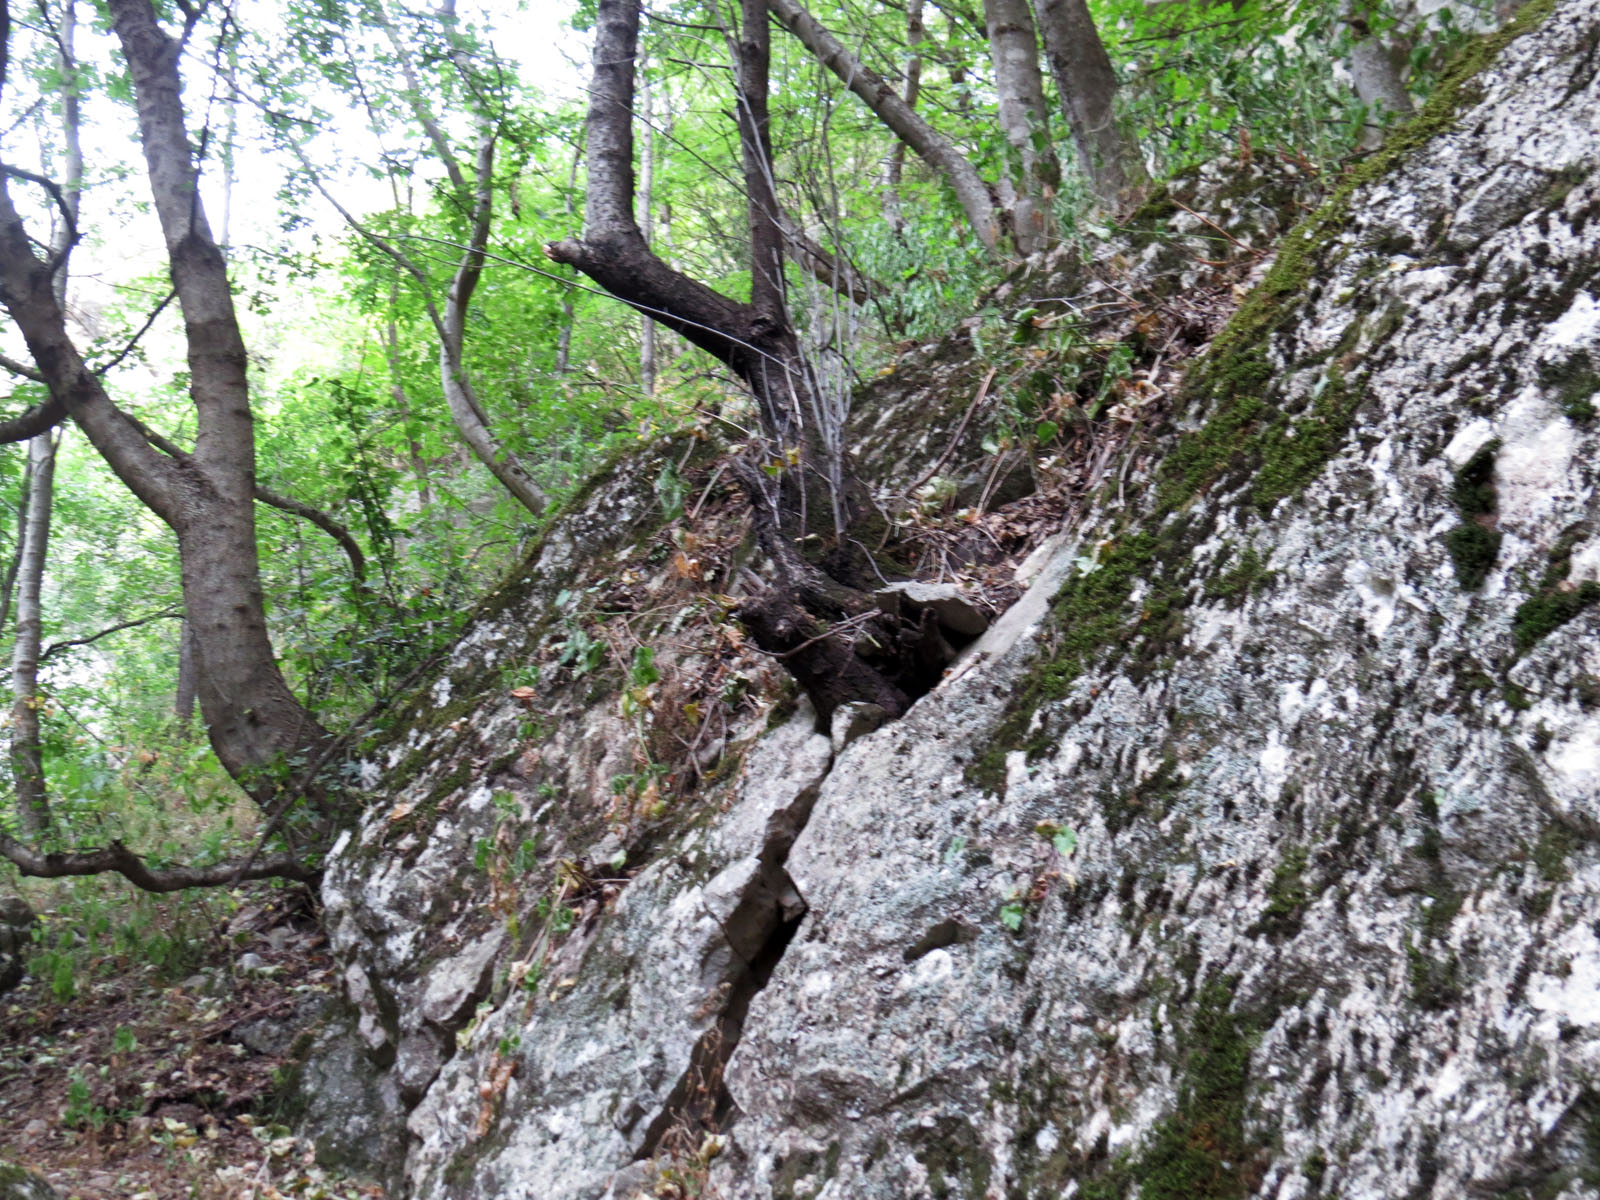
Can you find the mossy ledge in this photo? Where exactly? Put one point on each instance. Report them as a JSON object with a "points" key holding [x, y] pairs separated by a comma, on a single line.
{"points": [[1247, 439]]}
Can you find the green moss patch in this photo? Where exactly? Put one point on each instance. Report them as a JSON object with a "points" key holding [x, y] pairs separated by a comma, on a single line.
{"points": [[1152, 798], [1556, 601], [958, 1166], [1550, 853], [1237, 582], [1541, 615], [1435, 977], [1474, 544], [1235, 378], [1204, 1151], [1472, 489], [1248, 441], [1473, 550], [1287, 897]]}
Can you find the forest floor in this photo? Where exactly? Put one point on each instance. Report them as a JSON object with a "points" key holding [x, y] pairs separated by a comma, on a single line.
{"points": [[136, 1087]]}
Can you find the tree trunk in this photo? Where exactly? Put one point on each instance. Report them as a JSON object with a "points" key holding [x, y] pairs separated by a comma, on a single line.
{"points": [[27, 755], [569, 308], [8, 585], [1108, 153], [27, 758], [1024, 120], [477, 196], [647, 180], [471, 420], [933, 147], [208, 497], [254, 721], [753, 339], [812, 492], [1376, 75], [894, 170], [397, 392]]}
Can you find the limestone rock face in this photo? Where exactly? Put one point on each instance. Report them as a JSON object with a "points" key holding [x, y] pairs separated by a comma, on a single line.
{"points": [[1256, 852], [1330, 925]]}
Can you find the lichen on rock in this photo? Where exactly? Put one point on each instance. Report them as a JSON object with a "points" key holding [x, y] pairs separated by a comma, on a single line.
{"points": [[1327, 924]]}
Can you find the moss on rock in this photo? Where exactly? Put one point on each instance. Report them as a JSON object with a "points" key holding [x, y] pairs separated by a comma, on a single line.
{"points": [[1204, 1150], [1248, 442]]}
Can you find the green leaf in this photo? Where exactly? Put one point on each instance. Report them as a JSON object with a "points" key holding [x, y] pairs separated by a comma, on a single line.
{"points": [[670, 490]]}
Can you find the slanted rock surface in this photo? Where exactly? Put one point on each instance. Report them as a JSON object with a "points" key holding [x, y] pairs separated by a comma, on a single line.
{"points": [[16, 1183], [1253, 853]]}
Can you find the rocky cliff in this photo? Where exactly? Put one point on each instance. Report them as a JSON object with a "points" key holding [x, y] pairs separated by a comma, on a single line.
{"points": [[1253, 852]]}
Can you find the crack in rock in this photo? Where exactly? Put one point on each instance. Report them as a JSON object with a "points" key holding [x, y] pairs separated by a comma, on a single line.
{"points": [[758, 909]]}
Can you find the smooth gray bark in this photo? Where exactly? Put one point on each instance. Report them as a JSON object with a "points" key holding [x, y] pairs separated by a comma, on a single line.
{"points": [[1024, 119], [930, 145], [1375, 71], [27, 759], [1107, 152]]}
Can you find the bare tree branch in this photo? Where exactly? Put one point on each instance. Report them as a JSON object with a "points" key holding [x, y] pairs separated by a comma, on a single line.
{"points": [[118, 859], [62, 203], [831, 272], [933, 147], [53, 647], [329, 526], [272, 499], [38, 419], [22, 369], [137, 337]]}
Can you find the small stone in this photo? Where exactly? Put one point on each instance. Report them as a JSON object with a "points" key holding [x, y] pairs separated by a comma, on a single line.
{"points": [[953, 610], [250, 961]]}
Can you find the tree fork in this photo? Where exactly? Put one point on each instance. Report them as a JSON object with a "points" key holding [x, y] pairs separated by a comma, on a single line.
{"points": [[797, 483]]}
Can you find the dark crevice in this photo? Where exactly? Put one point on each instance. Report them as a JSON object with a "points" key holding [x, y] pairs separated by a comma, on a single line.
{"points": [[758, 927], [700, 1102], [945, 933]]}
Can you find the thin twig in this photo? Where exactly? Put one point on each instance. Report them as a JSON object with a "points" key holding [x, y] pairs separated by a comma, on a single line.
{"points": [[836, 627], [1250, 250], [118, 628], [955, 440], [137, 337]]}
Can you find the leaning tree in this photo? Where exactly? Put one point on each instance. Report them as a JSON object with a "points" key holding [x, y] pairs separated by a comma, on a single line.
{"points": [[263, 736]]}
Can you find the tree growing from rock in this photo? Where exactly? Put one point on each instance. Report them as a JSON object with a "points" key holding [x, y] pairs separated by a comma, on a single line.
{"points": [[799, 479]]}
